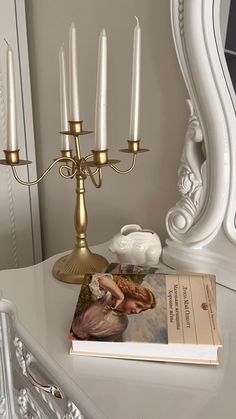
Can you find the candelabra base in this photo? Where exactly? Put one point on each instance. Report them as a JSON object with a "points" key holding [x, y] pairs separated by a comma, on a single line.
{"points": [[71, 268]]}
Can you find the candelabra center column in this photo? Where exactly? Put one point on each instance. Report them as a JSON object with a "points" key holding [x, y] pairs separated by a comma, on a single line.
{"points": [[71, 268], [80, 213]]}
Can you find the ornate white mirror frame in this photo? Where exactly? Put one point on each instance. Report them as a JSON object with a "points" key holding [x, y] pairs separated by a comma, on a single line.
{"points": [[201, 226]]}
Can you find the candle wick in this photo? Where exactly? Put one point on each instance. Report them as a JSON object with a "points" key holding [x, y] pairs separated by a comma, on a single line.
{"points": [[103, 33], [137, 20], [6, 41]]}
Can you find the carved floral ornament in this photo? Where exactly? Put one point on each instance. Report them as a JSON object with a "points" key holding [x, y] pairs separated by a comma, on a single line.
{"points": [[191, 180]]}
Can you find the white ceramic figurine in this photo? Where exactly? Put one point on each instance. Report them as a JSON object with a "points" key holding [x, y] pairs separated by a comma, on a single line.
{"points": [[136, 246]]}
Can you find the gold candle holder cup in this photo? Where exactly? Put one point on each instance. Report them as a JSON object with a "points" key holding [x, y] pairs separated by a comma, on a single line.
{"points": [[12, 158]]}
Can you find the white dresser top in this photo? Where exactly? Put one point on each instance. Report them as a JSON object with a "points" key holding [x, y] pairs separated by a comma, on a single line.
{"points": [[119, 388]]}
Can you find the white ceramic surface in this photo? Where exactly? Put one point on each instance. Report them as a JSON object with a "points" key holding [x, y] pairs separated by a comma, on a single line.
{"points": [[119, 388], [136, 245]]}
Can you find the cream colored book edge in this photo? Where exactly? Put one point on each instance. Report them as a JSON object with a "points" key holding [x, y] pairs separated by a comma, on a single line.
{"points": [[147, 358]]}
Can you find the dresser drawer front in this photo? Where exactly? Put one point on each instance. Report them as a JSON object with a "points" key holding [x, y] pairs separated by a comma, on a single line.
{"points": [[27, 390]]}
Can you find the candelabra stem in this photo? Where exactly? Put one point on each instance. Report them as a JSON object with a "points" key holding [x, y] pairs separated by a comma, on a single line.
{"points": [[80, 214], [71, 268]]}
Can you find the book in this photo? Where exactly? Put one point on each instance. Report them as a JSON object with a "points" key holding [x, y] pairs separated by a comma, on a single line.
{"points": [[153, 316]]}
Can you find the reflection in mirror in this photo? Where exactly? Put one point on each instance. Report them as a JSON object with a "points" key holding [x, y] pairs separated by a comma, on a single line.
{"points": [[230, 38]]}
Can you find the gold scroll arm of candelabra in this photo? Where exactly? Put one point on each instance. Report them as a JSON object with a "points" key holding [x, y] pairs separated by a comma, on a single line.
{"points": [[123, 172], [60, 159], [91, 173], [134, 149], [86, 159], [70, 171]]}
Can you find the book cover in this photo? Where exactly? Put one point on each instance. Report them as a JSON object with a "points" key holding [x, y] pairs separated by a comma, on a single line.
{"points": [[153, 316]]}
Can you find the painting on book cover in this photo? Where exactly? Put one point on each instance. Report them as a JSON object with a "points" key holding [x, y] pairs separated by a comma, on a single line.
{"points": [[121, 308]]}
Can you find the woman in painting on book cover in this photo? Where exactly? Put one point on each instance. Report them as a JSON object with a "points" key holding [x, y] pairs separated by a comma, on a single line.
{"points": [[112, 300]]}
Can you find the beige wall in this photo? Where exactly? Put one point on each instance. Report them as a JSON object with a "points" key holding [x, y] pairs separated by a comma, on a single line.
{"points": [[145, 195]]}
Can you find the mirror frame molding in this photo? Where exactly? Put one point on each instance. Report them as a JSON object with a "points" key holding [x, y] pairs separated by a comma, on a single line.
{"points": [[201, 226]]}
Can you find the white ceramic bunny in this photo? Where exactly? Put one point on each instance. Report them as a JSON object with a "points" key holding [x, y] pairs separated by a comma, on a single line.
{"points": [[136, 246]]}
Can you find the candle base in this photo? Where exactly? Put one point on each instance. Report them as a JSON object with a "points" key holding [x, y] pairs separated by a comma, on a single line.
{"points": [[12, 156], [76, 129], [134, 147], [100, 158], [67, 153], [12, 159], [73, 267]]}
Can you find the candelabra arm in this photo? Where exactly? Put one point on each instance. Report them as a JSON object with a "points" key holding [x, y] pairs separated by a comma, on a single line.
{"points": [[85, 168], [44, 173], [90, 156], [123, 172], [67, 168]]}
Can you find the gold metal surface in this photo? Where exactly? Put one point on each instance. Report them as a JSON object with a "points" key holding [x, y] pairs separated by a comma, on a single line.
{"points": [[34, 182], [100, 157], [67, 153], [134, 147], [12, 157], [76, 128], [109, 163], [19, 163], [124, 172], [71, 268]]}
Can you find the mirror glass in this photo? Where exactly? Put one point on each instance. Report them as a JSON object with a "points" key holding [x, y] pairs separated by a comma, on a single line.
{"points": [[228, 18]]}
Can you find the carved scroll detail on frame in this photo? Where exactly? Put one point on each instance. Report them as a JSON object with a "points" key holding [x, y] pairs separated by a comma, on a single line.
{"points": [[181, 16], [191, 180]]}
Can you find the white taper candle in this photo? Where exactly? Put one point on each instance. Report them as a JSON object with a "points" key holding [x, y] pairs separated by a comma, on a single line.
{"points": [[12, 141], [73, 76], [135, 93], [65, 145], [101, 95]]}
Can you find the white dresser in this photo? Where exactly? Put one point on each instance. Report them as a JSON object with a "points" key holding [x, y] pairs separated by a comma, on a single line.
{"points": [[36, 368]]}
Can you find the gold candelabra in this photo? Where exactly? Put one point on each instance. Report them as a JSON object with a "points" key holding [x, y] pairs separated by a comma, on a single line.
{"points": [[71, 268]]}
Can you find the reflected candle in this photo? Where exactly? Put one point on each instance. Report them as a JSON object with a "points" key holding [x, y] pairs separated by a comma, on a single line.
{"points": [[12, 141], [65, 145]]}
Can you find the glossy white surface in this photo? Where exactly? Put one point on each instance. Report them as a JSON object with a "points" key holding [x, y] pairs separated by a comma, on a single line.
{"points": [[119, 388]]}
